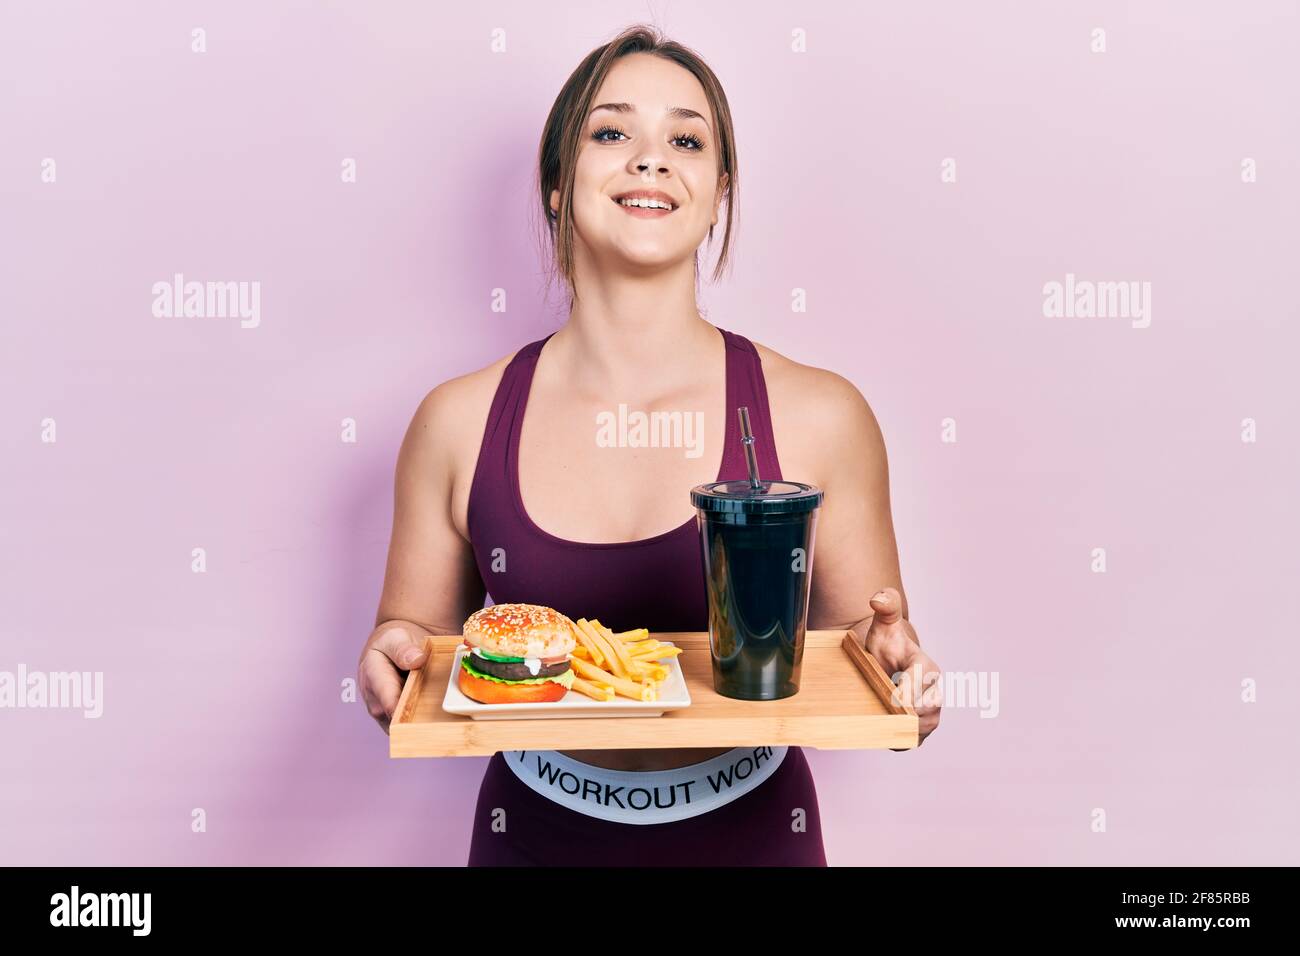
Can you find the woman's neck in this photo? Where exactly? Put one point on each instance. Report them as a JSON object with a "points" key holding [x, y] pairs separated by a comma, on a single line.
{"points": [[625, 329]]}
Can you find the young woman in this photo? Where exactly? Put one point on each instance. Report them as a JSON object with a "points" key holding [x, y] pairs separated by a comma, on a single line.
{"points": [[502, 488]]}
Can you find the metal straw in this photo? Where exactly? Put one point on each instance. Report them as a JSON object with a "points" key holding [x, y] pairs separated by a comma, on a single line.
{"points": [[747, 439]]}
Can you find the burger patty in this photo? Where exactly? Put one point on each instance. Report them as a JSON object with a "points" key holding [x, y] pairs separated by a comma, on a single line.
{"points": [[514, 670]]}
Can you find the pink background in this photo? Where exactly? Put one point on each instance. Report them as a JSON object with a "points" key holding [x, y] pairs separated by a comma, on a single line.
{"points": [[1119, 691]]}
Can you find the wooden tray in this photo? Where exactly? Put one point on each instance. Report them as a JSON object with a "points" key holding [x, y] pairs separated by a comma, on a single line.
{"points": [[843, 704]]}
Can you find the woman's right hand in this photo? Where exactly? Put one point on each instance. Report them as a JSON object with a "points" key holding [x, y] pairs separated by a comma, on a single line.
{"points": [[395, 648]]}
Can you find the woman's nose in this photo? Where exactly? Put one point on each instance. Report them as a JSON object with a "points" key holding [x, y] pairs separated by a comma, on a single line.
{"points": [[646, 164]]}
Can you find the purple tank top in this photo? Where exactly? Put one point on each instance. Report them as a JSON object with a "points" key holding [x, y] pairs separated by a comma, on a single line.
{"points": [[656, 582]]}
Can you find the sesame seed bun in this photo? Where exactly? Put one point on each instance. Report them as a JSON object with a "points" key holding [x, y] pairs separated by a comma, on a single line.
{"points": [[521, 630]]}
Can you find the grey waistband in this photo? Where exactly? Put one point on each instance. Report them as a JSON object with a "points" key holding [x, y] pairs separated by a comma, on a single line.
{"points": [[645, 796]]}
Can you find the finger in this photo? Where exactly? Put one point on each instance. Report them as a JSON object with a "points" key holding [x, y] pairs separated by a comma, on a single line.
{"points": [[926, 726], [918, 684], [927, 716], [401, 647], [931, 704], [887, 604], [932, 691], [381, 685], [921, 685], [924, 690], [904, 692]]}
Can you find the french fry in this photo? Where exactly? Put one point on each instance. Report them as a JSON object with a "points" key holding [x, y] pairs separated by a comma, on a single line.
{"points": [[617, 662], [597, 655], [593, 674], [629, 639], [597, 643], [653, 667], [663, 654], [601, 692], [653, 653], [621, 685], [643, 668], [628, 663], [615, 643]]}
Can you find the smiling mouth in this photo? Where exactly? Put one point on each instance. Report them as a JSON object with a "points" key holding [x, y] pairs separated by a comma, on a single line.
{"points": [[645, 208]]}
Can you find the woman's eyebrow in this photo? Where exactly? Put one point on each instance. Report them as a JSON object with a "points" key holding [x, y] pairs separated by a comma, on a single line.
{"points": [[680, 112]]}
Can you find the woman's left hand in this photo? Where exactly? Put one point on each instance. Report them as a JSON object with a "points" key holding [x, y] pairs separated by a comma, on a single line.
{"points": [[892, 641]]}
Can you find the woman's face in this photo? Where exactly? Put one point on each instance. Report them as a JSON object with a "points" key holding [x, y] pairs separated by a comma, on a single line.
{"points": [[657, 136]]}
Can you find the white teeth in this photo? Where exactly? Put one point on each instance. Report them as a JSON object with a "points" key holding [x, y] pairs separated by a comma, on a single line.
{"points": [[646, 203]]}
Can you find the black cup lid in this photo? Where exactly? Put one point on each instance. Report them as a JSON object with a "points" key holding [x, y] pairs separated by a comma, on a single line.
{"points": [[771, 497]]}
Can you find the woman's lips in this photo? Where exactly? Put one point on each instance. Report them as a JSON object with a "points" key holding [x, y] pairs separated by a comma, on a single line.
{"points": [[642, 212]]}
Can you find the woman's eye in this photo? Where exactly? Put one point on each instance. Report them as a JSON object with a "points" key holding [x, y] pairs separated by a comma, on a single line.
{"points": [[606, 134]]}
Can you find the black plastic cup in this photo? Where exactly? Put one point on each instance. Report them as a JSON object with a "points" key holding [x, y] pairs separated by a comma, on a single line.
{"points": [[758, 553]]}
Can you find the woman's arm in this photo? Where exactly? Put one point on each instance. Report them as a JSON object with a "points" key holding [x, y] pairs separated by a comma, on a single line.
{"points": [[855, 554], [856, 582], [431, 583]]}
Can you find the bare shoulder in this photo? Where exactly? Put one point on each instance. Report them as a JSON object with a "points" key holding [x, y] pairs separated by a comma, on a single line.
{"points": [[448, 423], [450, 402], [814, 412]]}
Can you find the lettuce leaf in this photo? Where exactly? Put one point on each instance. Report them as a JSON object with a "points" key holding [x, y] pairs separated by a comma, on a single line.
{"points": [[496, 657]]}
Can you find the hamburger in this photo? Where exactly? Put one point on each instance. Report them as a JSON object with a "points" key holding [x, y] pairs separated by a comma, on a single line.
{"points": [[518, 653]]}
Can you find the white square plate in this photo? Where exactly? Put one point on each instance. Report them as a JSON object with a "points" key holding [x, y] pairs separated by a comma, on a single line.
{"points": [[673, 695]]}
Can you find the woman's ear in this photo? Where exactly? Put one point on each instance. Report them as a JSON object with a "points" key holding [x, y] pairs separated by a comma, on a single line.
{"points": [[717, 199], [555, 203]]}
